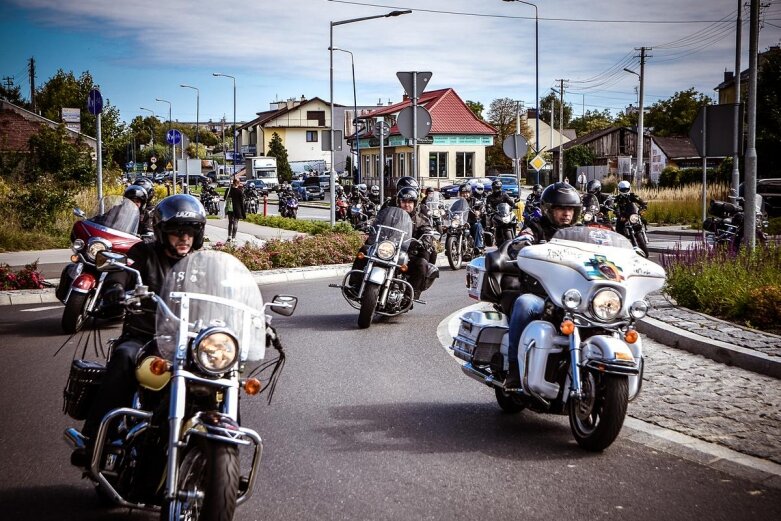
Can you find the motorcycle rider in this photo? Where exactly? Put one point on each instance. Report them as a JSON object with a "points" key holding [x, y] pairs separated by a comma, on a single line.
{"points": [[624, 198], [178, 222], [139, 196], [475, 226], [421, 270], [374, 195], [561, 208], [533, 199], [403, 182], [497, 197]]}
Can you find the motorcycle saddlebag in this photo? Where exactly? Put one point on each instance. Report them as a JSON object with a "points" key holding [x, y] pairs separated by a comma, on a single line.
{"points": [[479, 336], [82, 387], [711, 224], [722, 209]]}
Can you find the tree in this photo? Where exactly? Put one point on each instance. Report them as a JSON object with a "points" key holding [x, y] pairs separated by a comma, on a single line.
{"points": [[545, 104], [579, 155], [13, 95], [675, 115], [502, 115], [476, 107], [277, 149], [626, 119], [65, 90], [592, 120], [769, 115]]}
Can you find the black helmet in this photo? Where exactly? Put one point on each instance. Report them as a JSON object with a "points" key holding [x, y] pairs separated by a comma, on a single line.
{"points": [[406, 181], [464, 189], [594, 187], [147, 185], [537, 189], [430, 190], [496, 186], [176, 211], [407, 194], [560, 195], [136, 193]]}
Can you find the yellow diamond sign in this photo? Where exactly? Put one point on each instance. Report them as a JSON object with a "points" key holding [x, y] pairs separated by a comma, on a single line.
{"points": [[537, 163]]}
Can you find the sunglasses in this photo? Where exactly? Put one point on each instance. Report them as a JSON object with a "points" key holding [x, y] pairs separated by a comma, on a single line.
{"points": [[182, 231]]}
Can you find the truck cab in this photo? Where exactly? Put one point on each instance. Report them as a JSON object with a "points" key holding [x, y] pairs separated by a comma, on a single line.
{"points": [[265, 169]]}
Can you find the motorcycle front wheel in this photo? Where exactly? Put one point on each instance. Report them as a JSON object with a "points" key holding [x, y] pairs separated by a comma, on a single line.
{"points": [[597, 417], [75, 314], [209, 478], [642, 243], [453, 252], [368, 304]]}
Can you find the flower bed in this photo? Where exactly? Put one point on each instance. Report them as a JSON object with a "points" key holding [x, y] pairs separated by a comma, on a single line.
{"points": [[27, 278]]}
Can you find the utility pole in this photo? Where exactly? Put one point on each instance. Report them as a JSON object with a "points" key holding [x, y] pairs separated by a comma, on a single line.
{"points": [[750, 192], [561, 130], [31, 70], [517, 162], [9, 82], [736, 143], [640, 130]]}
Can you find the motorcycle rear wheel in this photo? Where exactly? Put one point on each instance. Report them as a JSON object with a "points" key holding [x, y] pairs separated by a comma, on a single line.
{"points": [[368, 304], [597, 418], [75, 315], [453, 253], [210, 469]]}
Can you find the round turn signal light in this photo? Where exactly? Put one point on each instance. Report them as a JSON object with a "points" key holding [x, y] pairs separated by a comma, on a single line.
{"points": [[631, 336], [158, 366], [252, 386], [567, 327]]}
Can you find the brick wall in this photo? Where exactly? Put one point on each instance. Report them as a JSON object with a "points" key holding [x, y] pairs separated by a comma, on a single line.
{"points": [[15, 131]]}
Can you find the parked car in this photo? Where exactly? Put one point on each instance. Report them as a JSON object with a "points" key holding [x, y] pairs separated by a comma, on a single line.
{"points": [[770, 190], [325, 181], [509, 185], [449, 191], [309, 189]]}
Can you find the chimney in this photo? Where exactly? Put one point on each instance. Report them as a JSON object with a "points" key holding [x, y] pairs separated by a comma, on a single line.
{"points": [[379, 102], [405, 97], [728, 75]]}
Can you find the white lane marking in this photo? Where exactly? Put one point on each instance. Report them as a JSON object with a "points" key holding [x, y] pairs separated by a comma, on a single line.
{"points": [[45, 308]]}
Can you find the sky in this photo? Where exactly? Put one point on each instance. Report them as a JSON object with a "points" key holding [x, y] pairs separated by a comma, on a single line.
{"points": [[140, 50]]}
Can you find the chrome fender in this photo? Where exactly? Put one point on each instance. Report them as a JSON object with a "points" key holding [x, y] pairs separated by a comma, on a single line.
{"points": [[614, 356], [377, 275]]}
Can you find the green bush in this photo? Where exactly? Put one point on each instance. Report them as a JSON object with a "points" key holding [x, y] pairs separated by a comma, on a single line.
{"points": [[733, 285], [299, 225], [325, 248], [669, 177]]}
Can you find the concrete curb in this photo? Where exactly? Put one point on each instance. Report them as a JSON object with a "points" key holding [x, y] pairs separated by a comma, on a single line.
{"points": [[716, 350], [751, 468]]}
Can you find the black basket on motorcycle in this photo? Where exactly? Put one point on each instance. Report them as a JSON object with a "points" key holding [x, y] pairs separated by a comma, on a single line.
{"points": [[82, 387], [722, 209]]}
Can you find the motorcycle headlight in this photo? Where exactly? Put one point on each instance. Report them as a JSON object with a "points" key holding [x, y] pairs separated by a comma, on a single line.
{"points": [[386, 250], [77, 245], [634, 218], [506, 218], [606, 304], [215, 351], [638, 309], [588, 217], [571, 299], [456, 220], [95, 246]]}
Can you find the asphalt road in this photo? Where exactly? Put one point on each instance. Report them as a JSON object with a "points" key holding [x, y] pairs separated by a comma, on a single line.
{"points": [[368, 424]]}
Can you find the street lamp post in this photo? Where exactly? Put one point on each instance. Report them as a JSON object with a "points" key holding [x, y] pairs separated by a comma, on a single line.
{"points": [[536, 76], [640, 170], [331, 90], [173, 149], [355, 114], [197, 117], [152, 131], [235, 153]]}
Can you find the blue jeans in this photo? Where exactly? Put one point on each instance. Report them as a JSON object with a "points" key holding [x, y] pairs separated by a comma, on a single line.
{"points": [[526, 308], [477, 232]]}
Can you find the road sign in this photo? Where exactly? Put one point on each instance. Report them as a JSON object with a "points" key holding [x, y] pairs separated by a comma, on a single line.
{"points": [[325, 139], [173, 136], [95, 102], [145, 167], [538, 163], [153, 160], [404, 121], [412, 86], [169, 166], [382, 127], [720, 132], [152, 166], [515, 146]]}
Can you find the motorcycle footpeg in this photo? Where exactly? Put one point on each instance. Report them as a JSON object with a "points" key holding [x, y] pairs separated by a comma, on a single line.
{"points": [[335, 286], [418, 301]]}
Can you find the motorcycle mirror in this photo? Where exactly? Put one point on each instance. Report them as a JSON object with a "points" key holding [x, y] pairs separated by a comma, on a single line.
{"points": [[283, 305], [110, 261], [78, 212]]}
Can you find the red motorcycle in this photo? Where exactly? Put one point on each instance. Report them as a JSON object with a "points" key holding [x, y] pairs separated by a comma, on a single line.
{"points": [[111, 226], [342, 209]]}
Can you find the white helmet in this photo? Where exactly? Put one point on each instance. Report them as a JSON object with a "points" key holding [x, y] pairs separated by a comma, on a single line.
{"points": [[624, 187]]}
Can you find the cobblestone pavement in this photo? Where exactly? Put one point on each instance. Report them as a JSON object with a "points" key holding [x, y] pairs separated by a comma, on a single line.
{"points": [[693, 395], [666, 310]]}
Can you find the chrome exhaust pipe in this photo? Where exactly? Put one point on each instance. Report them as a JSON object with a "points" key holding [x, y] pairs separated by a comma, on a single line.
{"points": [[473, 373]]}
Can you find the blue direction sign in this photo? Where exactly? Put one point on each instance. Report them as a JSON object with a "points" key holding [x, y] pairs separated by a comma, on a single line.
{"points": [[173, 136], [95, 102]]}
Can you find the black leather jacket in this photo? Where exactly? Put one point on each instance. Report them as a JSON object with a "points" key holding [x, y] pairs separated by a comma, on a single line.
{"points": [[493, 200]]}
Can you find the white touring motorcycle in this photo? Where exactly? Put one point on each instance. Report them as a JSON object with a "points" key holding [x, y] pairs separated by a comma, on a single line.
{"points": [[584, 358]]}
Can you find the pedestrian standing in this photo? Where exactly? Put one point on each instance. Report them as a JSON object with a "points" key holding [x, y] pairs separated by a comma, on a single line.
{"points": [[234, 207], [582, 181]]}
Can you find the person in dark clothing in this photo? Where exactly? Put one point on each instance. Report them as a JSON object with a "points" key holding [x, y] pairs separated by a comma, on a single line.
{"points": [[475, 226], [497, 197], [403, 182], [178, 222], [533, 199], [624, 198], [421, 270], [374, 195], [139, 196], [235, 193], [561, 208]]}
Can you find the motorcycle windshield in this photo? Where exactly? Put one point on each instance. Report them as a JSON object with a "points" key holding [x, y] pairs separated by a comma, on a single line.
{"points": [[460, 210], [591, 235], [503, 210], [392, 224], [220, 292], [117, 213]]}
